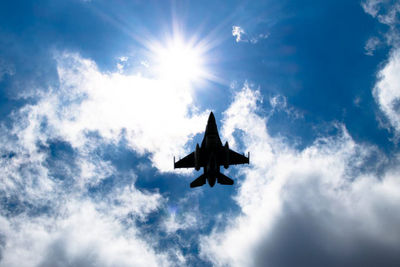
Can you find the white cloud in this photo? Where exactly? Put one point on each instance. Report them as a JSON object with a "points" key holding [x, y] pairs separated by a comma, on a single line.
{"points": [[387, 90], [184, 215], [175, 223], [241, 36], [325, 205], [371, 46], [386, 12], [79, 236], [372, 6], [47, 217], [6, 69], [50, 222], [390, 17], [122, 61], [131, 201], [46, 221], [151, 114], [356, 101], [237, 33], [279, 103]]}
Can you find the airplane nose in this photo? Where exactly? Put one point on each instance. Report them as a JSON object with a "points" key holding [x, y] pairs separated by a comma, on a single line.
{"points": [[211, 127], [211, 117]]}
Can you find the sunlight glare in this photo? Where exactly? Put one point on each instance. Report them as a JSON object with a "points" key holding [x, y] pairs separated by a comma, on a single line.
{"points": [[179, 62]]}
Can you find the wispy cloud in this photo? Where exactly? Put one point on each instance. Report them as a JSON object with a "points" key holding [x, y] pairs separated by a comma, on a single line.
{"points": [[6, 69], [279, 103], [371, 45], [241, 36], [371, 6], [386, 12]]}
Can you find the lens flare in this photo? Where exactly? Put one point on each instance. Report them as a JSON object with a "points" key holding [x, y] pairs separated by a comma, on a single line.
{"points": [[179, 61]]}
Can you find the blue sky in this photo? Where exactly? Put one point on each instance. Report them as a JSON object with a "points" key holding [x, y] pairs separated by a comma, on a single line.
{"points": [[98, 96]]}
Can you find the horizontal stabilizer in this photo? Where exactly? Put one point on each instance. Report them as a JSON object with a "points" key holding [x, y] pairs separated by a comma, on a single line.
{"points": [[199, 181], [222, 179]]}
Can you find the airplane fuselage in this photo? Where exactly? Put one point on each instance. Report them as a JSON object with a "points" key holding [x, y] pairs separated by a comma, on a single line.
{"points": [[210, 156], [209, 147], [211, 170]]}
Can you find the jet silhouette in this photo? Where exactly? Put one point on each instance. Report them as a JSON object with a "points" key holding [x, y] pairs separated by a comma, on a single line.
{"points": [[211, 155]]}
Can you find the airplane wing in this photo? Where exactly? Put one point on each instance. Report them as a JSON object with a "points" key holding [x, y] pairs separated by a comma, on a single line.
{"points": [[236, 158], [186, 162]]}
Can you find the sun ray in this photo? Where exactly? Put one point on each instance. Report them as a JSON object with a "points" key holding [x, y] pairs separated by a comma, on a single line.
{"points": [[181, 60]]}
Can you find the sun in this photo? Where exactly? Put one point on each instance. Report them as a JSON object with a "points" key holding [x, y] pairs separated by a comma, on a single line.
{"points": [[179, 61]]}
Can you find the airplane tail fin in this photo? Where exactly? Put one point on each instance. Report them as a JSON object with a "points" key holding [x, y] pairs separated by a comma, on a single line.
{"points": [[222, 179], [199, 181]]}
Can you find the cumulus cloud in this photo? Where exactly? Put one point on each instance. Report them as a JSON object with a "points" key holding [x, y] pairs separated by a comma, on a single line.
{"points": [[387, 90], [79, 236], [61, 204], [115, 105], [325, 205], [48, 220]]}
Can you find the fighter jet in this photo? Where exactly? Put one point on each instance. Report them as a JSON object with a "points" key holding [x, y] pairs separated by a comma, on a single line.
{"points": [[211, 155]]}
